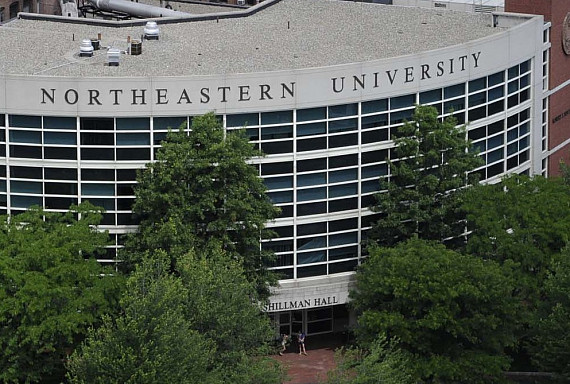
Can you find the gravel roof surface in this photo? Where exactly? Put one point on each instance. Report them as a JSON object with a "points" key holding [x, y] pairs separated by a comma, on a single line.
{"points": [[320, 33]]}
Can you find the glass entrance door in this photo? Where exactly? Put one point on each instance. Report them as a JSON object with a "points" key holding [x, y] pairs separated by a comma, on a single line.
{"points": [[298, 321]]}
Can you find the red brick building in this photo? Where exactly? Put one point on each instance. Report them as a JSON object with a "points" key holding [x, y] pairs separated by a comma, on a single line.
{"points": [[9, 8], [556, 106]]}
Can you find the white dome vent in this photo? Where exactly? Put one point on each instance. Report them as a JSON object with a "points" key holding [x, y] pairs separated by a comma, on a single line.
{"points": [[86, 48], [151, 31]]}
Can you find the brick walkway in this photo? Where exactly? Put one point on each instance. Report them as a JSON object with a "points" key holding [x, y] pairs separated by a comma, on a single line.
{"points": [[313, 368]]}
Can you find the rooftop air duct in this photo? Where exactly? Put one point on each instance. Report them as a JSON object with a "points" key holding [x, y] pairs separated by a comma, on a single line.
{"points": [[136, 9], [113, 56]]}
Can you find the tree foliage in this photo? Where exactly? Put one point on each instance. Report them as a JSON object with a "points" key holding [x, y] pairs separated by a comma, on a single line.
{"points": [[201, 190], [151, 342], [198, 325], [382, 363], [521, 219], [51, 289], [454, 312], [550, 345], [423, 195]]}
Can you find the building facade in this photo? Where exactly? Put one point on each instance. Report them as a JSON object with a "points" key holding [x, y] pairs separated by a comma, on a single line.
{"points": [[74, 129]]}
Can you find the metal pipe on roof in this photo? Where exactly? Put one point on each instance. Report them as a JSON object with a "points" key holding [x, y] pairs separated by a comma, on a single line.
{"points": [[137, 9]]}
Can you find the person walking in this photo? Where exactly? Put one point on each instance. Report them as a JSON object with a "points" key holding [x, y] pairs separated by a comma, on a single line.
{"points": [[301, 339], [284, 344]]}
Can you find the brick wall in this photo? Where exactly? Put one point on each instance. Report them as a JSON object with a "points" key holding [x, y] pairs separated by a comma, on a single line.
{"points": [[559, 125]]}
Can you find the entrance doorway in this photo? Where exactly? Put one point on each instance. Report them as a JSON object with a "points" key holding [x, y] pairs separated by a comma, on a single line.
{"points": [[314, 321]]}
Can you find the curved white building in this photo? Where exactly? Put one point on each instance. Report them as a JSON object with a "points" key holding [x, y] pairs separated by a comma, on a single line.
{"points": [[320, 85]]}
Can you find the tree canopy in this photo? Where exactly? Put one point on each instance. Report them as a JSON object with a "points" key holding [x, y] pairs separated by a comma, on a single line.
{"points": [[455, 313], [51, 289], [199, 325], [201, 190], [423, 194], [549, 347], [521, 219]]}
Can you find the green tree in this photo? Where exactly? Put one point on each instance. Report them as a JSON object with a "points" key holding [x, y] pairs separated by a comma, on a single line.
{"points": [[455, 313], [202, 189], [221, 304], [423, 195], [51, 289], [382, 363], [550, 344], [521, 219], [151, 342], [197, 325]]}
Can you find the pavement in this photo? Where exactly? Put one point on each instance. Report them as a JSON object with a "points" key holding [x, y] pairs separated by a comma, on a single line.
{"points": [[312, 368]]}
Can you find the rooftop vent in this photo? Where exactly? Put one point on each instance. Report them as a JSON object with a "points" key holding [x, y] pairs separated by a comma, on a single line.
{"points": [[86, 48], [151, 31], [113, 55], [136, 47]]}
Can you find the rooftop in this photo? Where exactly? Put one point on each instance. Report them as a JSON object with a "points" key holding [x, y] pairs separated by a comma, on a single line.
{"points": [[290, 34]]}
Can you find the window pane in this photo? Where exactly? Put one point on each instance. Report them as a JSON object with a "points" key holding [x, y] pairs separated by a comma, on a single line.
{"points": [[133, 139], [311, 144], [311, 129], [56, 122], [344, 175], [62, 138], [98, 174], [281, 197], [343, 190], [311, 179], [311, 229], [312, 164], [343, 110], [311, 114], [375, 106], [375, 121], [242, 120], [26, 187], [26, 172], [32, 137], [95, 123], [314, 270], [430, 96], [25, 121], [343, 140], [133, 123], [98, 189], [60, 173], [281, 132], [277, 117], [343, 161], [26, 152], [276, 168], [343, 125], [311, 194], [60, 153], [168, 122], [25, 201], [278, 182], [311, 242], [311, 257], [402, 101], [97, 139]]}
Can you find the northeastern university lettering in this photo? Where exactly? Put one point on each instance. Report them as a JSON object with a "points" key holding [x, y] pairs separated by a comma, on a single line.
{"points": [[408, 74], [163, 96], [195, 94]]}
